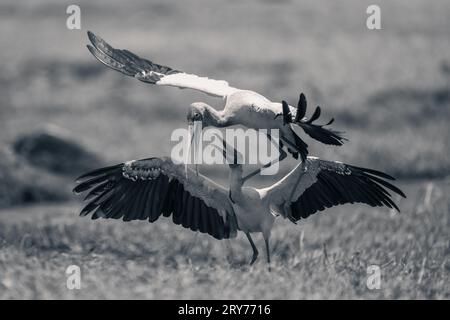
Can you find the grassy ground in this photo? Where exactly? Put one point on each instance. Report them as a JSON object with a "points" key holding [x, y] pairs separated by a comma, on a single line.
{"points": [[388, 89], [324, 257]]}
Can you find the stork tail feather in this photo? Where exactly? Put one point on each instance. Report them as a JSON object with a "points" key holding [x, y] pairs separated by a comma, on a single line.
{"points": [[315, 131], [319, 133]]}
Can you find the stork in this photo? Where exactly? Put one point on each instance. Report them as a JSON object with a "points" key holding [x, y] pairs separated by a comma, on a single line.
{"points": [[242, 107], [148, 188]]}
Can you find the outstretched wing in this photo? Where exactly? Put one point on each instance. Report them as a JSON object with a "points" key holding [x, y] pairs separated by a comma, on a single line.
{"points": [[146, 189], [317, 184], [132, 65]]}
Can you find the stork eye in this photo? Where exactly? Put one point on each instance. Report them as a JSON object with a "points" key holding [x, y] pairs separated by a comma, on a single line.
{"points": [[197, 116]]}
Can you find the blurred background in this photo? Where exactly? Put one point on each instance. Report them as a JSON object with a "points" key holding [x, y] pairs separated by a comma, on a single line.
{"points": [[62, 113]]}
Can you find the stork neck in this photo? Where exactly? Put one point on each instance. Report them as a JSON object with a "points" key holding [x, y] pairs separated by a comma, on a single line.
{"points": [[236, 183], [215, 118]]}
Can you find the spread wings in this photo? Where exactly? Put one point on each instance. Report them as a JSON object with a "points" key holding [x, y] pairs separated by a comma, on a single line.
{"points": [[319, 184], [132, 65], [146, 189]]}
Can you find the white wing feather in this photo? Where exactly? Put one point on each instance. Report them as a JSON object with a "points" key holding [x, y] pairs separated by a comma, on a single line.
{"points": [[217, 88], [147, 71]]}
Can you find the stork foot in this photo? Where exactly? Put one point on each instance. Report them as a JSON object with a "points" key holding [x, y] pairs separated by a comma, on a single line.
{"points": [[254, 257], [266, 240], [255, 250]]}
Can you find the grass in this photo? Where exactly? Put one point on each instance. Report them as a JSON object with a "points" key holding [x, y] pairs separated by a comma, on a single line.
{"points": [[387, 89], [324, 257]]}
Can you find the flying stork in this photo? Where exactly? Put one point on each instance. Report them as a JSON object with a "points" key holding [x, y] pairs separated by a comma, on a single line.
{"points": [[146, 189], [242, 107]]}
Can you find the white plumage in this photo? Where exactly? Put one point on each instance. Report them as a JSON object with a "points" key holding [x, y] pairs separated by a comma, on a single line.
{"points": [[242, 107], [148, 188]]}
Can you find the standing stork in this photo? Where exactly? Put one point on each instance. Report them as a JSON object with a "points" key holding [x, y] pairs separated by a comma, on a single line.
{"points": [[146, 189], [242, 107]]}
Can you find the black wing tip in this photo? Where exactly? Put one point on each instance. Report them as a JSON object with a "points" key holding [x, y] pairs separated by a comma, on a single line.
{"points": [[399, 192], [377, 176], [301, 107], [98, 55], [334, 187], [373, 172], [382, 185], [315, 116], [287, 116], [325, 136], [78, 189], [315, 131], [99, 171], [81, 188], [93, 38], [81, 178], [402, 194], [340, 139], [286, 109], [85, 181], [92, 50]]}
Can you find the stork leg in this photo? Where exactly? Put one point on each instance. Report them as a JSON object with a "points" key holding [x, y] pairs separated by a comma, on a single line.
{"points": [[255, 250], [266, 240], [282, 156], [229, 251]]}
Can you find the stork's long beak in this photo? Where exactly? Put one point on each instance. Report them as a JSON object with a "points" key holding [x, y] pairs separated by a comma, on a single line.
{"points": [[188, 153], [193, 139]]}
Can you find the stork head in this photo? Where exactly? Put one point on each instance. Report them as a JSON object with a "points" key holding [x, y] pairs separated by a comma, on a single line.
{"points": [[200, 111], [199, 116], [196, 121]]}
